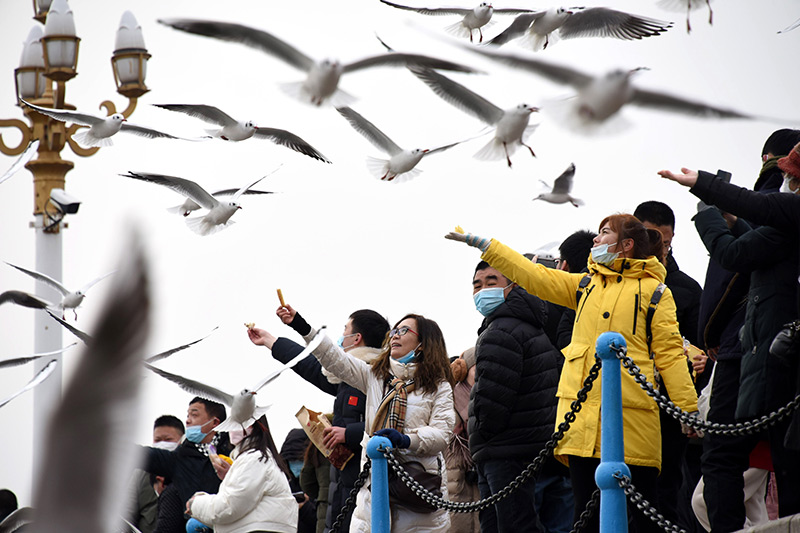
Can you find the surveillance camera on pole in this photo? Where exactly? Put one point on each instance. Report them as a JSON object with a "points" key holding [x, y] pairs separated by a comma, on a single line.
{"points": [[66, 204]]}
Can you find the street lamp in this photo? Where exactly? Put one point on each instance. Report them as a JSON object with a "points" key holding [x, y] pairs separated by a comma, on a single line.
{"points": [[49, 60]]}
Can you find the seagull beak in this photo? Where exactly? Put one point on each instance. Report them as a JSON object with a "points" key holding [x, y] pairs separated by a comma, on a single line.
{"points": [[534, 109], [426, 150], [253, 393], [238, 207]]}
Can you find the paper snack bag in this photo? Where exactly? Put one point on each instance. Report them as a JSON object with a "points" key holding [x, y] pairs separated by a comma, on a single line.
{"points": [[314, 424]]}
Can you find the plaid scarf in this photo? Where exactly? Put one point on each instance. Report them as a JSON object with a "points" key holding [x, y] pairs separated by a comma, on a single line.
{"points": [[203, 447], [391, 412]]}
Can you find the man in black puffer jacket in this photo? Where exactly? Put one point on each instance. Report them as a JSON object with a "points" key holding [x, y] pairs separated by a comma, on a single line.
{"points": [[513, 406]]}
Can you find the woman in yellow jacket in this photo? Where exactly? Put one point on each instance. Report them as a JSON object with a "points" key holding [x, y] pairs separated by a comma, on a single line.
{"points": [[624, 275]]}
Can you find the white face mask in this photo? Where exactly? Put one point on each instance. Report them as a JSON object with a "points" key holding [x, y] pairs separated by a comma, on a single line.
{"points": [[601, 255], [785, 186], [166, 445]]}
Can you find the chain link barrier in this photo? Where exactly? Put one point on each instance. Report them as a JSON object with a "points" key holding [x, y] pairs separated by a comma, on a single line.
{"points": [[587, 513], [350, 502], [739, 428], [644, 506]]}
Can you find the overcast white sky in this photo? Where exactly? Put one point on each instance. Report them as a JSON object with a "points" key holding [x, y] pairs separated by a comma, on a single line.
{"points": [[335, 239]]}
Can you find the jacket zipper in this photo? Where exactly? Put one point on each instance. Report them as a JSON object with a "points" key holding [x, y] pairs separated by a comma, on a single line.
{"points": [[583, 302], [635, 313]]}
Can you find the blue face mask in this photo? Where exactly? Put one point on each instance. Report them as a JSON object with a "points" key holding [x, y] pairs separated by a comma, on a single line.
{"points": [[488, 300], [340, 340], [296, 467], [601, 255], [195, 433], [410, 357]]}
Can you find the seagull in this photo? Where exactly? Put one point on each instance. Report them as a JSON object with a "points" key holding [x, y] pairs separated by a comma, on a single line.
{"points": [[600, 97], [40, 376], [473, 19], [219, 213], [70, 299], [561, 189], [82, 481], [235, 130], [689, 6], [401, 162], [511, 125], [24, 299], [789, 28], [85, 337], [322, 81], [243, 405], [22, 160], [101, 129], [543, 27], [17, 361], [190, 205], [167, 353]]}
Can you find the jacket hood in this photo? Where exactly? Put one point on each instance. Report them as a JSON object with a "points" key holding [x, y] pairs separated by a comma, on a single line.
{"points": [[630, 268], [519, 305]]}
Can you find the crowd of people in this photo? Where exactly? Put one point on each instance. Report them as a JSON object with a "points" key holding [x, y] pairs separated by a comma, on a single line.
{"points": [[466, 427]]}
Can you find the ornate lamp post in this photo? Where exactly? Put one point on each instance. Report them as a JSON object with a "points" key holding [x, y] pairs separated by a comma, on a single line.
{"points": [[49, 60]]}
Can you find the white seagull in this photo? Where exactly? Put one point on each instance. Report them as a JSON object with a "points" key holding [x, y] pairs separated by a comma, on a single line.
{"points": [[101, 129], [42, 375], [219, 213], [511, 125], [472, 18], [235, 130], [70, 299], [401, 162], [322, 79], [561, 189], [600, 97], [243, 405], [544, 27]]}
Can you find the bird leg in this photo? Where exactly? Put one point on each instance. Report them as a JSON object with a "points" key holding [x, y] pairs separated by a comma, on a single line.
{"points": [[470, 35], [528, 147], [710, 12], [505, 149], [75, 310], [546, 41], [480, 32]]}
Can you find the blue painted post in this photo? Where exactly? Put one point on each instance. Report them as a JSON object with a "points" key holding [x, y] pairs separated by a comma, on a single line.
{"points": [[380, 484], [613, 509]]}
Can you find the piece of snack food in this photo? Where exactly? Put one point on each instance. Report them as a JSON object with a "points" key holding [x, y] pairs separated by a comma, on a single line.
{"points": [[250, 325], [280, 297]]}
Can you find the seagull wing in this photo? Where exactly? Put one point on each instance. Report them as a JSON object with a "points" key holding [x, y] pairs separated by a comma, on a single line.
{"points": [[26, 156], [228, 192], [555, 73], [101, 400], [226, 31], [24, 299], [370, 131], [182, 186], [194, 387], [516, 28], [43, 278], [94, 281], [605, 22], [563, 183], [511, 11], [315, 342], [66, 116], [17, 520], [290, 140], [141, 131], [164, 355], [456, 94], [43, 374], [442, 148], [27, 359], [244, 189], [400, 59], [667, 102], [206, 113], [792, 26], [85, 337], [435, 11]]}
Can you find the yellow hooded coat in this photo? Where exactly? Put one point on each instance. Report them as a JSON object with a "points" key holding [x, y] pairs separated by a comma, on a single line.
{"points": [[616, 299]]}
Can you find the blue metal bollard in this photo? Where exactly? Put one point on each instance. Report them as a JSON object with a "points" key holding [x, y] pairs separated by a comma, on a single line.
{"points": [[381, 522], [613, 508]]}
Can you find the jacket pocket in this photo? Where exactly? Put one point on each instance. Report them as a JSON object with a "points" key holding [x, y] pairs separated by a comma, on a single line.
{"points": [[572, 374]]}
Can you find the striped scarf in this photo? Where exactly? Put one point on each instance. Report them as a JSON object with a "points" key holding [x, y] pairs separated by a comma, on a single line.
{"points": [[391, 412]]}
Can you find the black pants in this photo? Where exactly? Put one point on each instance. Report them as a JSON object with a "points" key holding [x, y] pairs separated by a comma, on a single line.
{"points": [[581, 471]]}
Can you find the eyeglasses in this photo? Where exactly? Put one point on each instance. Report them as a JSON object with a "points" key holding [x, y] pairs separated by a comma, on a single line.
{"points": [[402, 330]]}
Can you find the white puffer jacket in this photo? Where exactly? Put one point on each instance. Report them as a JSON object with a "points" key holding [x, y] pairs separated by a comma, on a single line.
{"points": [[254, 495], [430, 418]]}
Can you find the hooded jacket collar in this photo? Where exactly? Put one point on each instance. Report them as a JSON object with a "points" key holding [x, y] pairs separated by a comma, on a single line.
{"points": [[630, 268], [404, 371]]}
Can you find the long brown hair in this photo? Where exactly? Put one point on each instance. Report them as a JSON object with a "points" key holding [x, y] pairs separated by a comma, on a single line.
{"points": [[433, 365], [646, 242], [260, 439]]}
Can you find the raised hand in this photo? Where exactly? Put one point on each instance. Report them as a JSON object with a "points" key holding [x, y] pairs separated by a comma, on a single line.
{"points": [[687, 178]]}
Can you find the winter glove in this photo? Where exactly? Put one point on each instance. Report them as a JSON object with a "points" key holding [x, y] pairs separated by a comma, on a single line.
{"points": [[397, 439], [480, 243]]}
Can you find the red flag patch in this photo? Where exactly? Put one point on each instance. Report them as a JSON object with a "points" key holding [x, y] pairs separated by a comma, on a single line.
{"points": [[353, 400]]}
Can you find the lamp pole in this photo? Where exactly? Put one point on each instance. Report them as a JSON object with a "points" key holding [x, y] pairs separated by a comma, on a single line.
{"points": [[49, 61]]}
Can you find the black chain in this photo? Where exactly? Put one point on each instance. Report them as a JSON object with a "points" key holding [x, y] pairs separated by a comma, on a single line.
{"points": [[587, 513], [740, 428], [530, 471], [643, 505], [350, 502]]}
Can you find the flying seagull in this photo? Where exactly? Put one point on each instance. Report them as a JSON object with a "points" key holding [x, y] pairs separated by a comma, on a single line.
{"points": [[543, 27], [42, 375], [219, 213], [322, 79], [689, 6], [472, 18], [600, 97], [401, 162], [24, 299], [70, 299], [24, 157], [167, 353], [243, 405], [17, 361], [82, 482], [101, 129], [561, 189], [85, 337], [511, 125], [231, 129]]}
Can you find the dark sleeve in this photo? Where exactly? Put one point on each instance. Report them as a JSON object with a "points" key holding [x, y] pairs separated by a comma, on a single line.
{"points": [[170, 512], [781, 211], [284, 350], [308, 480], [300, 325], [159, 462], [745, 253], [565, 326], [353, 434], [498, 378]]}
